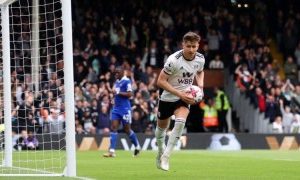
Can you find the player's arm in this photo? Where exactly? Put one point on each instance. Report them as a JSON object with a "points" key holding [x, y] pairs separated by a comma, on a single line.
{"points": [[126, 94], [162, 82], [200, 79]]}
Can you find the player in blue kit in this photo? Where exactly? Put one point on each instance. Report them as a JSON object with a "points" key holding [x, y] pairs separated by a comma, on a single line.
{"points": [[121, 112]]}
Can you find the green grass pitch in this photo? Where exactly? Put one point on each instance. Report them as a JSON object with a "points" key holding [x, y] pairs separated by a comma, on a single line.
{"points": [[189, 165]]}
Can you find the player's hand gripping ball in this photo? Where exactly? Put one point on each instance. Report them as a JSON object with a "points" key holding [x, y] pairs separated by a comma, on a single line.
{"points": [[196, 92]]}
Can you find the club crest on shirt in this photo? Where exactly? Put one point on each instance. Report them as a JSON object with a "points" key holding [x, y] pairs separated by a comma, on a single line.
{"points": [[187, 74]]}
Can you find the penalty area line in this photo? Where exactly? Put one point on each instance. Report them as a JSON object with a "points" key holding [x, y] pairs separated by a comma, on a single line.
{"points": [[292, 160]]}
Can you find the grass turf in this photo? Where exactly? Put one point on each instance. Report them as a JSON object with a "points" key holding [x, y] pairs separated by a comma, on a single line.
{"points": [[189, 165], [195, 165]]}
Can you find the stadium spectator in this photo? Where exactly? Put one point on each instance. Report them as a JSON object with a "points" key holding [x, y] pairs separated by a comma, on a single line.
{"points": [[291, 70], [79, 111], [92, 75], [296, 95], [297, 54], [19, 144], [244, 77], [153, 55], [78, 126], [277, 125], [289, 37], [31, 142], [269, 73], [103, 122], [88, 122], [287, 91], [222, 105], [165, 19], [260, 100], [56, 121], [295, 125], [150, 129], [210, 115], [213, 38], [216, 63], [251, 60], [236, 62], [287, 117], [272, 108], [80, 73], [137, 122], [94, 109]]}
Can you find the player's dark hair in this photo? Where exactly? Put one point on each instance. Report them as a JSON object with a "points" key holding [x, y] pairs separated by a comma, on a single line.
{"points": [[191, 36]]}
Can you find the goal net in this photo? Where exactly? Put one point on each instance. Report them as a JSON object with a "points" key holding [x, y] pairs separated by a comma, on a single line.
{"points": [[37, 135]]}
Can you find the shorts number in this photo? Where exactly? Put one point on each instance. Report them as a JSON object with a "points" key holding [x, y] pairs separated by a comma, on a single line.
{"points": [[127, 117]]}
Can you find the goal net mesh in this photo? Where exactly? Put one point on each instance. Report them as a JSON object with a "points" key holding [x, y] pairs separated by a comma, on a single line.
{"points": [[37, 87]]}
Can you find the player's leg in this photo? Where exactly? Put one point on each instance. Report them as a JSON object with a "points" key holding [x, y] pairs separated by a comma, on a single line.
{"points": [[160, 135], [133, 138], [165, 110], [113, 136], [126, 121], [160, 132], [181, 114]]}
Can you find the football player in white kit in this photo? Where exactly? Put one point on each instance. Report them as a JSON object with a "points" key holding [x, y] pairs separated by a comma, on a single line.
{"points": [[177, 75]]}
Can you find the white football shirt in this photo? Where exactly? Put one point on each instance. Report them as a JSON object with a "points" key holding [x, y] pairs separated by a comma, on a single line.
{"points": [[181, 73]]}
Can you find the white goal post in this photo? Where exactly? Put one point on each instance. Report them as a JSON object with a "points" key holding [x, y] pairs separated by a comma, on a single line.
{"points": [[36, 89]]}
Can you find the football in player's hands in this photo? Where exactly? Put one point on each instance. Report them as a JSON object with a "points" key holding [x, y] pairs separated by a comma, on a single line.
{"points": [[196, 92]]}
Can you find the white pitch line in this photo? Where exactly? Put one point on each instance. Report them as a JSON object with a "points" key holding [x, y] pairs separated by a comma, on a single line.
{"points": [[83, 178], [293, 160]]}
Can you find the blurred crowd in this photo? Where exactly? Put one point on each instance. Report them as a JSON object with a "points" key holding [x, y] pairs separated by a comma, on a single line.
{"points": [[142, 39], [257, 72], [139, 40], [139, 36]]}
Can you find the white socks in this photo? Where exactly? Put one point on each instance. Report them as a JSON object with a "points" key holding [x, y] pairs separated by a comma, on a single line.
{"points": [[160, 135], [175, 136]]}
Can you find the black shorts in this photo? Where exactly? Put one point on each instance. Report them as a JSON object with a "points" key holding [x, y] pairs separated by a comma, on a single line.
{"points": [[166, 109]]}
